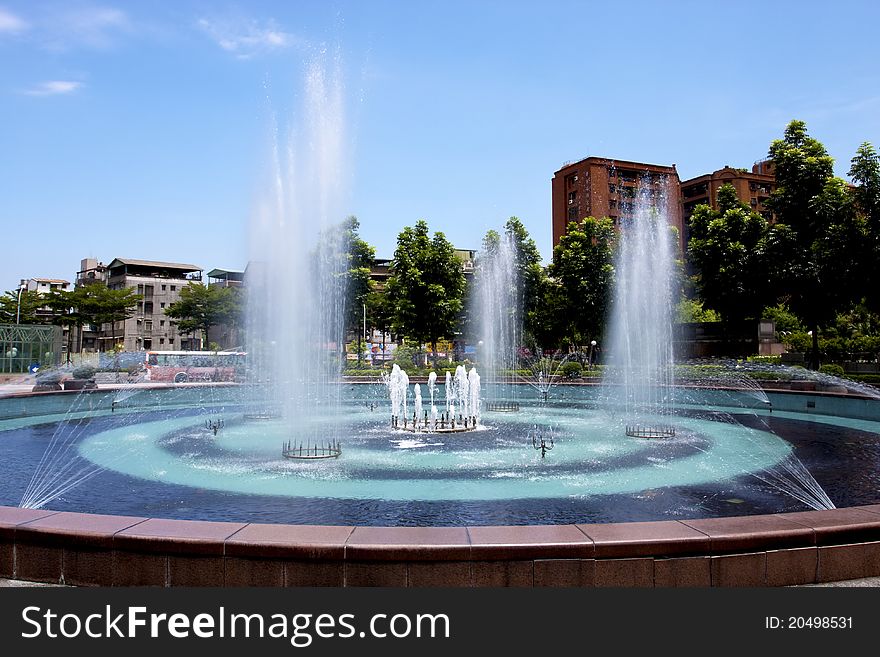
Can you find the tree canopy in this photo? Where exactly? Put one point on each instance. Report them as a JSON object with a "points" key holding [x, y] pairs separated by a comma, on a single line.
{"points": [[582, 271], [200, 307], [812, 250], [726, 248], [25, 312], [427, 285]]}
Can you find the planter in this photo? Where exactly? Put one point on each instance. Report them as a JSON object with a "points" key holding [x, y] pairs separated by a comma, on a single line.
{"points": [[47, 387], [80, 384]]}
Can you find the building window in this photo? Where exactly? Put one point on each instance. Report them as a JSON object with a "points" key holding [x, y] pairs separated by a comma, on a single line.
{"points": [[170, 340], [161, 340], [161, 304], [573, 213], [148, 308], [173, 288], [612, 189], [148, 343], [148, 326], [612, 204], [163, 287], [161, 322], [572, 197]]}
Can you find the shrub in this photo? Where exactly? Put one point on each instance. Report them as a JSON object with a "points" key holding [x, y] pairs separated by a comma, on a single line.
{"points": [[831, 368], [84, 372], [572, 370], [873, 379], [50, 377], [767, 360]]}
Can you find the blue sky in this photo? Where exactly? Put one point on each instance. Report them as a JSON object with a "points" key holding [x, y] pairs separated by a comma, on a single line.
{"points": [[139, 129]]}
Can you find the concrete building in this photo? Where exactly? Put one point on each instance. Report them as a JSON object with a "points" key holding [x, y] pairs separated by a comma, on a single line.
{"points": [[603, 187], [159, 283], [47, 285], [753, 188]]}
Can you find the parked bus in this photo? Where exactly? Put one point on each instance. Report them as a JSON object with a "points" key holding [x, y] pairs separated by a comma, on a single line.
{"points": [[183, 366]]}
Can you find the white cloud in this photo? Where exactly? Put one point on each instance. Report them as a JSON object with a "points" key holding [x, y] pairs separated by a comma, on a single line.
{"points": [[246, 38], [53, 88], [10, 23], [89, 27]]}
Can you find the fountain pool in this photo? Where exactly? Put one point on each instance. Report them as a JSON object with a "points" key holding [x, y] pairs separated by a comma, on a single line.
{"points": [[153, 455]]}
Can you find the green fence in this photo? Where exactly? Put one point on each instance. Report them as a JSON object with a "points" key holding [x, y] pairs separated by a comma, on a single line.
{"points": [[23, 346]]}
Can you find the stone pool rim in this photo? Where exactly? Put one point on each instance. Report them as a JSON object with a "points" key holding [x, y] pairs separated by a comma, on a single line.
{"points": [[759, 550]]}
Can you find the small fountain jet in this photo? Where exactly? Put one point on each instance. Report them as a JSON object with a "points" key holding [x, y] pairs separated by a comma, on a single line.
{"points": [[214, 425]]}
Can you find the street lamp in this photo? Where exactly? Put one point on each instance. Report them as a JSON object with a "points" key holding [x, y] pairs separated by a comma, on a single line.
{"points": [[592, 346], [22, 285]]}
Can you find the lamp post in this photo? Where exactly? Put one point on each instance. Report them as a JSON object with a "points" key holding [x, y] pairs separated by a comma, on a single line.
{"points": [[592, 347], [22, 284], [363, 348]]}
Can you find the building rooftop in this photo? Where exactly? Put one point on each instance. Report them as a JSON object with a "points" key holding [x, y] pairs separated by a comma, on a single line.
{"points": [[236, 274], [615, 163], [117, 262]]}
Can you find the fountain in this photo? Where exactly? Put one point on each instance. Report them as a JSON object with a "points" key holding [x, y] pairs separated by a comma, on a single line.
{"points": [[689, 446], [462, 397], [500, 314], [296, 281], [545, 372], [639, 376]]}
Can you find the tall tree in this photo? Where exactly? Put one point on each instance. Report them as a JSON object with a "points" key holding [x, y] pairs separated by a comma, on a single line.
{"points": [[359, 259], [111, 306], [865, 173], [583, 271], [813, 249], [530, 272], [726, 248], [200, 307], [427, 285]]}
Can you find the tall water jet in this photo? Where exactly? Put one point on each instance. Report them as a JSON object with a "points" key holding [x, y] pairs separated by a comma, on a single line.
{"points": [[640, 362], [498, 307], [296, 282]]}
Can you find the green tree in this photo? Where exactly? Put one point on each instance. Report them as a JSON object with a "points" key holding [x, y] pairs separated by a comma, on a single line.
{"points": [[427, 285], [815, 249], [865, 173], [530, 273], [25, 312], [341, 269], [726, 248], [380, 313], [692, 310], [359, 257], [582, 272], [200, 307], [105, 305]]}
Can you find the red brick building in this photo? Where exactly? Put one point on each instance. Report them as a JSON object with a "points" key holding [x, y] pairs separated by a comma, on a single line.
{"points": [[603, 187], [752, 188]]}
